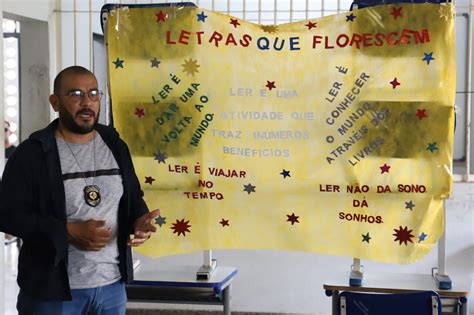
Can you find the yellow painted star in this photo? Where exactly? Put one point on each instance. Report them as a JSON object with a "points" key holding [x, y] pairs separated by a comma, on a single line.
{"points": [[269, 28], [190, 66], [446, 11]]}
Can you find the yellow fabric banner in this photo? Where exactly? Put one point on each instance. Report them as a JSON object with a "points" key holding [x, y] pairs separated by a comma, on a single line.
{"points": [[330, 135]]}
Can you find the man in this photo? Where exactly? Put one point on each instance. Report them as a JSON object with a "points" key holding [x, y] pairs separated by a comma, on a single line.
{"points": [[9, 147], [71, 193]]}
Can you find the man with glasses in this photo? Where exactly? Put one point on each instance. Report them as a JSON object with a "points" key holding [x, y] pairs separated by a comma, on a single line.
{"points": [[71, 193]]}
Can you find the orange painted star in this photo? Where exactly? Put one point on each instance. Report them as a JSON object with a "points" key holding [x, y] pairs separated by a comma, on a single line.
{"points": [[270, 85], [384, 168], [395, 83], [403, 235], [396, 12], [234, 22], [311, 25], [421, 113], [181, 227], [149, 180], [140, 112], [161, 16], [292, 218]]}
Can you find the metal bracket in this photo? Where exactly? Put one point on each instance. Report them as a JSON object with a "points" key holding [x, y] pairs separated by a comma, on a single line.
{"points": [[357, 274], [443, 282], [208, 267], [342, 306]]}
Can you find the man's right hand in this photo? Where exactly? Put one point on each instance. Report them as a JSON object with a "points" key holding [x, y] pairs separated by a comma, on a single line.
{"points": [[88, 235]]}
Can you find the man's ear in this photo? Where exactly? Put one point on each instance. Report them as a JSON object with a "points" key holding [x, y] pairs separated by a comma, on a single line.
{"points": [[54, 101]]}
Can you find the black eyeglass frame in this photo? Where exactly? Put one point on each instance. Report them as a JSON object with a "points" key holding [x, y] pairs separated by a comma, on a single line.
{"points": [[78, 95]]}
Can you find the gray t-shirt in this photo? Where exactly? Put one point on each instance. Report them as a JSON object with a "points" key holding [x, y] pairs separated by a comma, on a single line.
{"points": [[91, 269]]}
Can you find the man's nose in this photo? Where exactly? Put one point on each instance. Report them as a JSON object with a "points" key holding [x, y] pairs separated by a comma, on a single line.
{"points": [[86, 99]]}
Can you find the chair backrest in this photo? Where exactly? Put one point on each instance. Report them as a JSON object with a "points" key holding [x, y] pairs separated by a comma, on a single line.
{"points": [[359, 4], [418, 303]]}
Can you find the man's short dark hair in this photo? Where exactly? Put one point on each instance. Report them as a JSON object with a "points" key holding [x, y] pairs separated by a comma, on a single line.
{"points": [[72, 70]]}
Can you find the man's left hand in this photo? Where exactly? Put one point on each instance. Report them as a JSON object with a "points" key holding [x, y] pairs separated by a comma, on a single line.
{"points": [[143, 228]]}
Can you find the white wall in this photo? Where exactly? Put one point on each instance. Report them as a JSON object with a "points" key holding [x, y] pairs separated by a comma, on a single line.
{"points": [[33, 9], [35, 76]]}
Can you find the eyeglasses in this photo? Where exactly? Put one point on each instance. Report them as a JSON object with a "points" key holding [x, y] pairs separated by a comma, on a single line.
{"points": [[77, 95]]}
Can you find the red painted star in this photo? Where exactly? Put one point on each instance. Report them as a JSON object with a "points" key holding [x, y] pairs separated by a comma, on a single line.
{"points": [[181, 227], [403, 235], [395, 83], [140, 112], [421, 113], [234, 22], [385, 168], [224, 222], [292, 218], [396, 12], [271, 85], [311, 25], [161, 16], [149, 180]]}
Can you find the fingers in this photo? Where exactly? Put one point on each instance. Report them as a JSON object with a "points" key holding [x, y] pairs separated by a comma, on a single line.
{"points": [[100, 237], [149, 227], [104, 233], [99, 223], [141, 234], [154, 213], [139, 238]]}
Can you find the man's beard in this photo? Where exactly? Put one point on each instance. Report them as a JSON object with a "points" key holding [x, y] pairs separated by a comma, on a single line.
{"points": [[68, 121]]}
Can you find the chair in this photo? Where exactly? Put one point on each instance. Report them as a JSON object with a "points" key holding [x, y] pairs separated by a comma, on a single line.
{"points": [[419, 303], [359, 4]]}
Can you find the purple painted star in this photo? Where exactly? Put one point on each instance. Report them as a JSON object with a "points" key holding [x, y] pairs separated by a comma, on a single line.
{"points": [[285, 174], [160, 220], [249, 188], [160, 157], [409, 205]]}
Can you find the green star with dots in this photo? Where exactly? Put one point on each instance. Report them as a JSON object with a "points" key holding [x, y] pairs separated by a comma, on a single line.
{"points": [[366, 237], [432, 147], [118, 63]]}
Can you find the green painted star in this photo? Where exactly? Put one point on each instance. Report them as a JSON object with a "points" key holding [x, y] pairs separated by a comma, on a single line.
{"points": [[118, 63], [366, 237], [432, 147]]}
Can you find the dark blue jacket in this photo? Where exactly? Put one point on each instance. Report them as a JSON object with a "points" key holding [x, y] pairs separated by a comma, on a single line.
{"points": [[33, 207]]}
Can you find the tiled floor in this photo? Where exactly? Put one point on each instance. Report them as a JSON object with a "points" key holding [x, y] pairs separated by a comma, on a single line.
{"points": [[11, 288]]}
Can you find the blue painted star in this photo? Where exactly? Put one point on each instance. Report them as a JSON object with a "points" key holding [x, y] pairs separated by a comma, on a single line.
{"points": [[285, 173], [366, 237], [428, 57], [160, 220], [350, 17], [118, 63], [409, 205], [432, 147], [201, 17], [160, 157], [155, 62], [422, 237], [249, 188]]}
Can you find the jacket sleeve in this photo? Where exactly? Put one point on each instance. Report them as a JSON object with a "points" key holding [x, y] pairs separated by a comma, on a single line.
{"points": [[21, 200]]}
